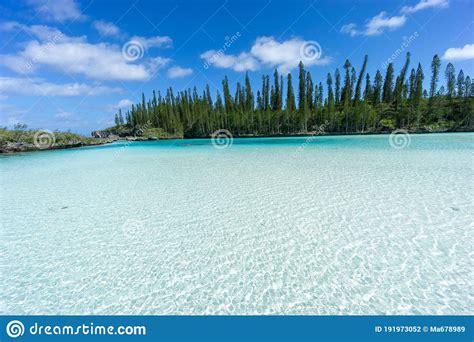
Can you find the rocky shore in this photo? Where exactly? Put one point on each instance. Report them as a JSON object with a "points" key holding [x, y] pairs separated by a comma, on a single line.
{"points": [[7, 147]]}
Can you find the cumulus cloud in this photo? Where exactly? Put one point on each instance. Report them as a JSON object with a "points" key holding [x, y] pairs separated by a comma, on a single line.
{"points": [[176, 72], [460, 54], [124, 103], [268, 51], [157, 41], [375, 25], [243, 61], [58, 10], [380, 22], [106, 29], [39, 87], [75, 55], [287, 54], [350, 29], [41, 32], [424, 4], [62, 114]]}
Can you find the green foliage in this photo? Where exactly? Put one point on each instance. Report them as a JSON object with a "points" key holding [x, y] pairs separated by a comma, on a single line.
{"points": [[153, 133], [388, 124], [21, 135], [357, 105]]}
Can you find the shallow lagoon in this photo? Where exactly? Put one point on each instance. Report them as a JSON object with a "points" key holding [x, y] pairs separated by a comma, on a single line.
{"points": [[323, 225]]}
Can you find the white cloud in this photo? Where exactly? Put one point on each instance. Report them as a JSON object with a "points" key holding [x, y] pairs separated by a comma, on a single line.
{"points": [[38, 87], [58, 10], [375, 25], [287, 54], [106, 29], [351, 29], [125, 103], [241, 62], [75, 55], [268, 51], [157, 41], [460, 54], [63, 114], [176, 72], [11, 114], [424, 4], [42, 32]]}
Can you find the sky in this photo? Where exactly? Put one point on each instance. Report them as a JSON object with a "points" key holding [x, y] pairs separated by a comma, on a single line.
{"points": [[71, 64]]}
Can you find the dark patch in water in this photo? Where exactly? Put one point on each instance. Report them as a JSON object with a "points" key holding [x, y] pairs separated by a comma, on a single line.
{"points": [[188, 144], [455, 208]]}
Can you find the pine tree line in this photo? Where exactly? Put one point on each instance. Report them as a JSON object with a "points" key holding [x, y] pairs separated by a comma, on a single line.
{"points": [[347, 106]]}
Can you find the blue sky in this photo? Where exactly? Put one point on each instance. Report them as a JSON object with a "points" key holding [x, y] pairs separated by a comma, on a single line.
{"points": [[70, 64]]}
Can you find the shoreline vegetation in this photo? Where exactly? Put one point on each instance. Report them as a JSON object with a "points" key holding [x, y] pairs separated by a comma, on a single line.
{"points": [[351, 102], [20, 139], [23, 141], [354, 104]]}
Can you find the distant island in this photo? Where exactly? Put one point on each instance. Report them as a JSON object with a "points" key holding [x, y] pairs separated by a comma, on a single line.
{"points": [[351, 102]]}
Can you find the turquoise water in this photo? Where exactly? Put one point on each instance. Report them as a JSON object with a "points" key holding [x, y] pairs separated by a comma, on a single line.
{"points": [[322, 225]]}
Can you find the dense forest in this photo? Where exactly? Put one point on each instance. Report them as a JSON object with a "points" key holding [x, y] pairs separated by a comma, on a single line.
{"points": [[349, 101]]}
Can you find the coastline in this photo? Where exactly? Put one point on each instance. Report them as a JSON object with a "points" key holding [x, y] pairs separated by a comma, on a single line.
{"points": [[19, 147]]}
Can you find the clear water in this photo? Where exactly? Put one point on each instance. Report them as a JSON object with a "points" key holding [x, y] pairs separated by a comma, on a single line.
{"points": [[333, 225]]}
